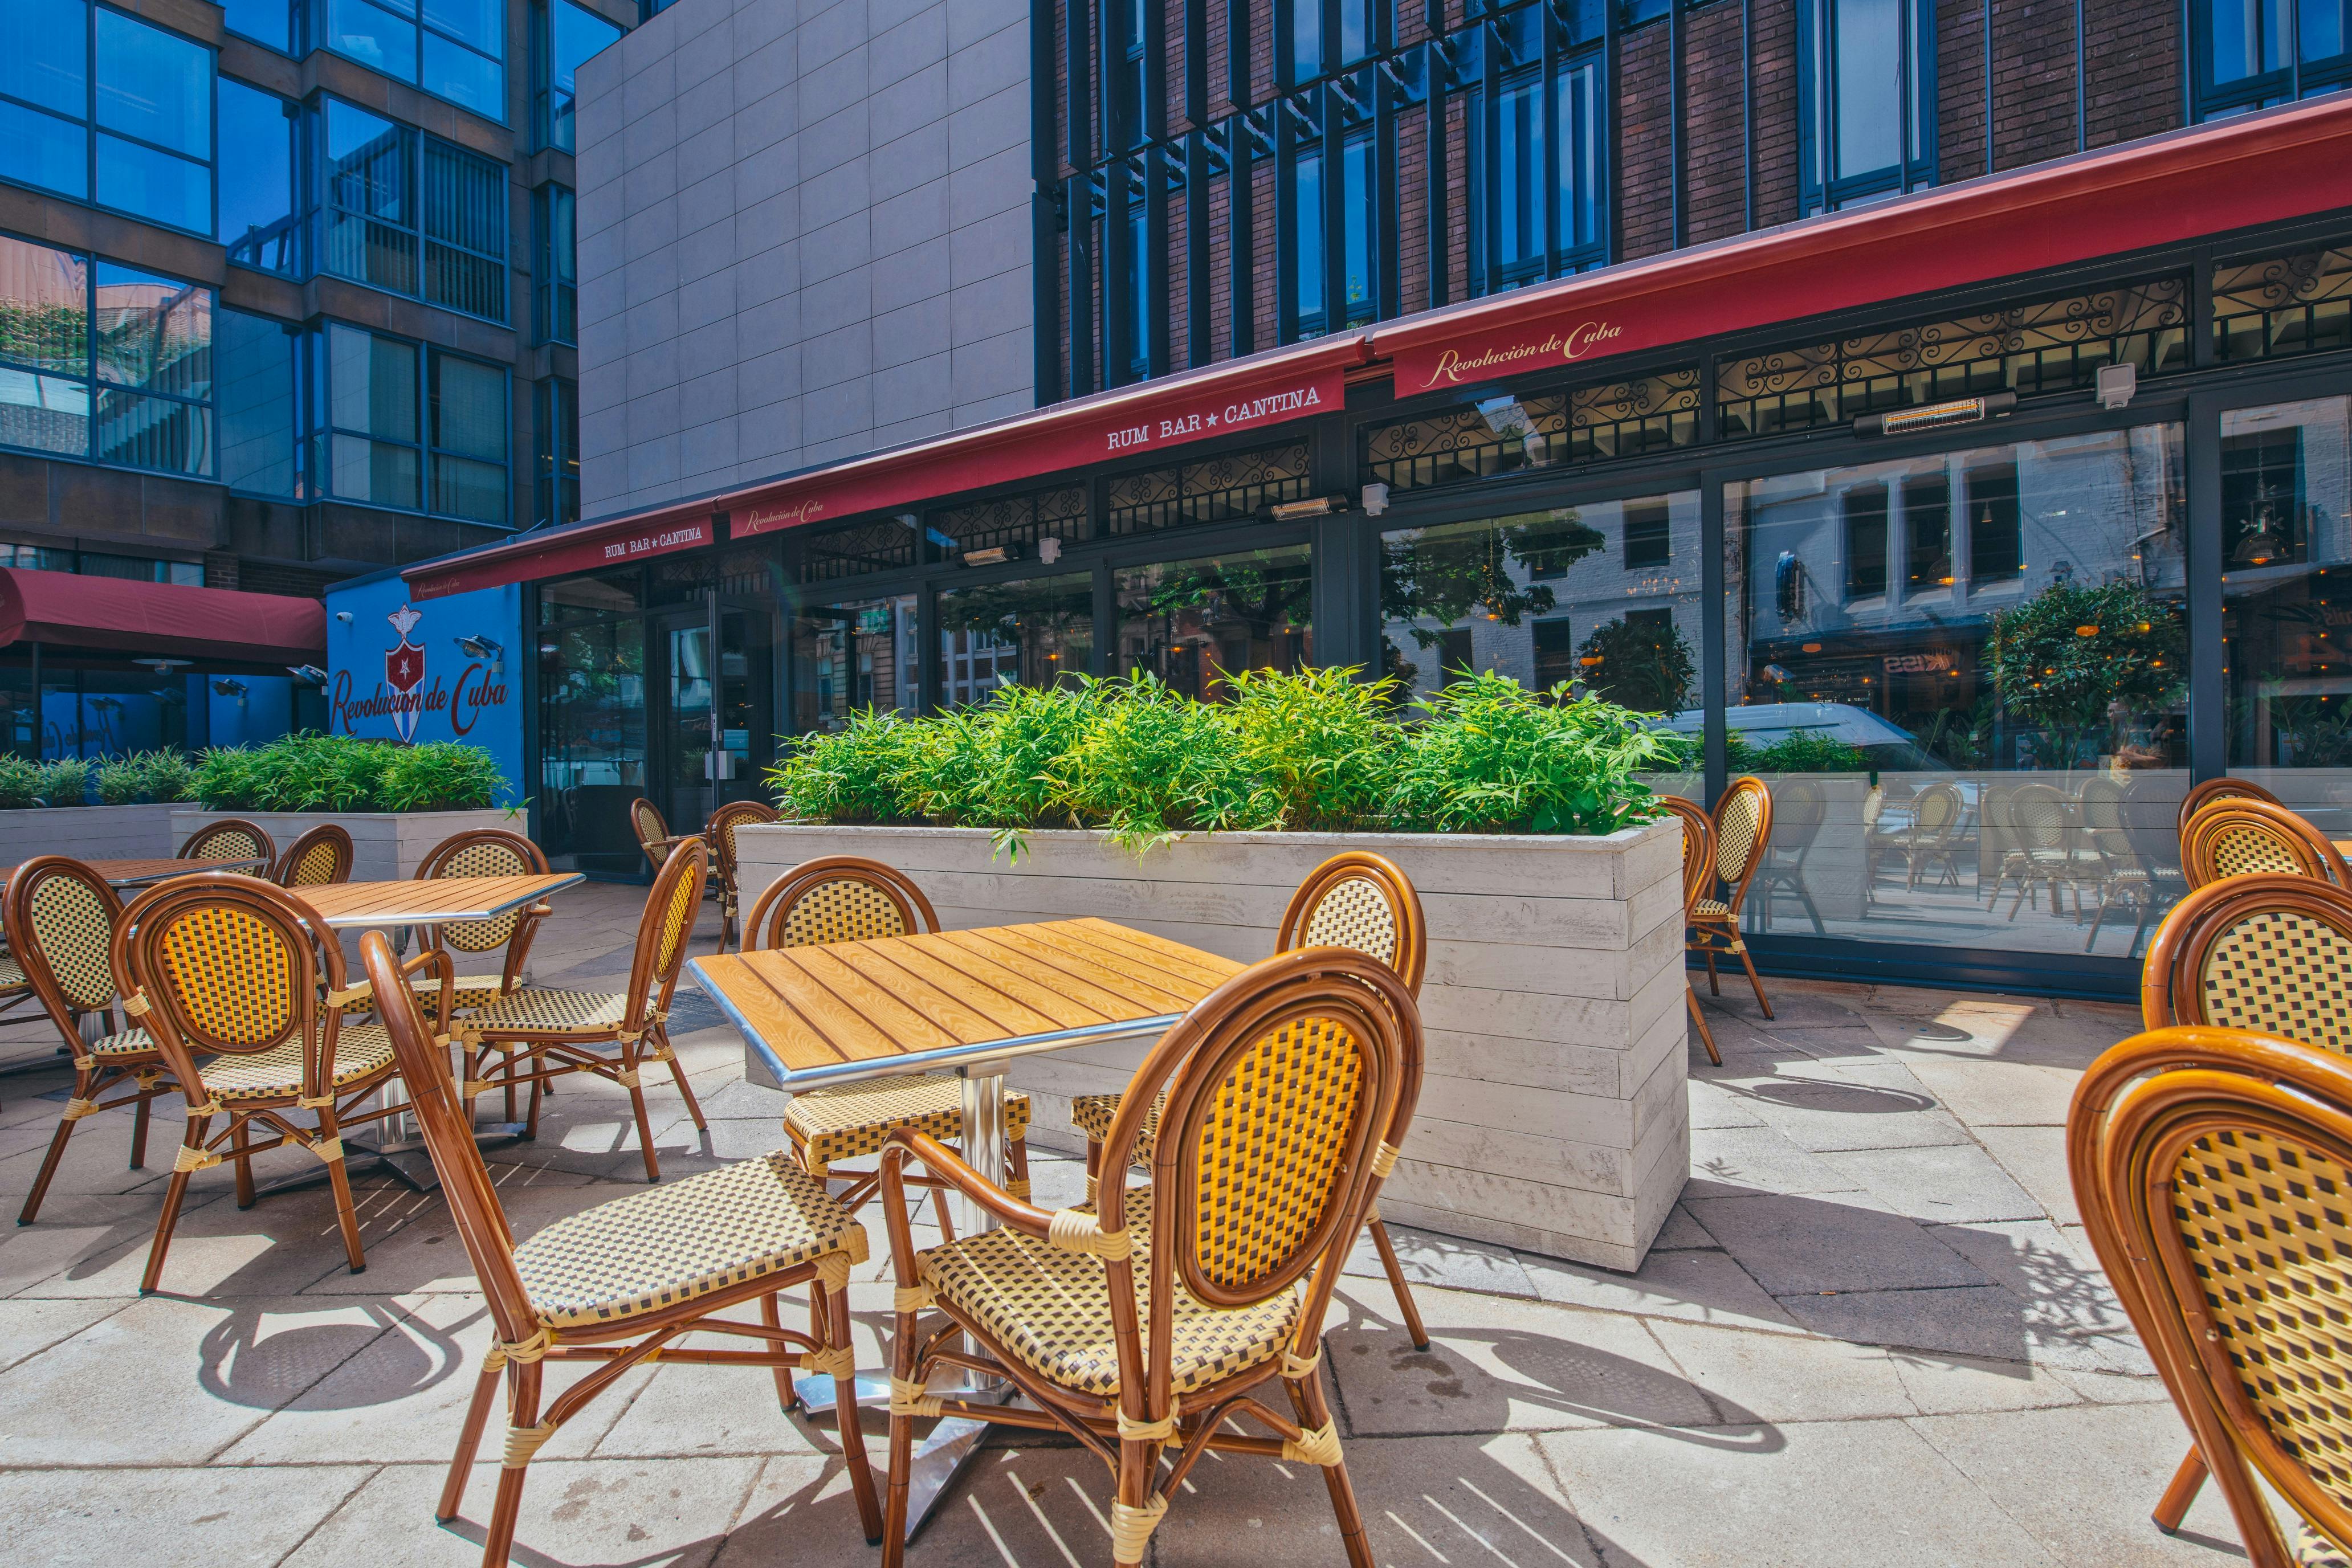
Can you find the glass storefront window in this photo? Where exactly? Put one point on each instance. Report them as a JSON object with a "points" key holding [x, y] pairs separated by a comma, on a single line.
{"points": [[1603, 597], [2287, 590], [1964, 676], [592, 670], [1189, 622], [851, 655], [1032, 634]]}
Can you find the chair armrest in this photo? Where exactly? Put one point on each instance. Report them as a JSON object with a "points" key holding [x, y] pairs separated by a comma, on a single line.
{"points": [[942, 1162]]}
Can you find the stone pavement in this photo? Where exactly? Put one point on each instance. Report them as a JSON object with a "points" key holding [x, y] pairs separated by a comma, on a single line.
{"points": [[1871, 1333]]}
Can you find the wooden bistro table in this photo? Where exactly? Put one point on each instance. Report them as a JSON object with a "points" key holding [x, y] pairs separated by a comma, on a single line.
{"points": [[965, 1002], [398, 906]]}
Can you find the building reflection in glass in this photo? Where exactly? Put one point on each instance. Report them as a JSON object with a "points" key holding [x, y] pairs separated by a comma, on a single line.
{"points": [[1189, 622], [1965, 677]]}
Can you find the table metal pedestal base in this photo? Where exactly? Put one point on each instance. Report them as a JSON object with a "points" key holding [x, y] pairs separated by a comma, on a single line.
{"points": [[939, 1457], [405, 1160]]}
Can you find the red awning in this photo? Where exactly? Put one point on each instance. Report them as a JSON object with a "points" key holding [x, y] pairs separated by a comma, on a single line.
{"points": [[2210, 180], [138, 619], [1259, 392]]}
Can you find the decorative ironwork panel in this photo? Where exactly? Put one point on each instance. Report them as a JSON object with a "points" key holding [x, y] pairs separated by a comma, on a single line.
{"points": [[2280, 305], [1011, 520], [1213, 490], [885, 544], [1503, 435], [2053, 345]]}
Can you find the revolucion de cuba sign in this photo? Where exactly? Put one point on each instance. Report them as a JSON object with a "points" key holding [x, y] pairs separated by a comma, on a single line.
{"points": [[448, 670]]}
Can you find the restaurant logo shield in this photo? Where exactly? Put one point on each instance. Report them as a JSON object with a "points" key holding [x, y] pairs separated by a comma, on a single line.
{"points": [[404, 671]]}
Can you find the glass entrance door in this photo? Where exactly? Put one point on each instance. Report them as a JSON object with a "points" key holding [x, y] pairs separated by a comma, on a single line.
{"points": [[713, 725]]}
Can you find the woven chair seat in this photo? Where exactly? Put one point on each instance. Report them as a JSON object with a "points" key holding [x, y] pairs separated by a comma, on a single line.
{"points": [[1093, 1114], [547, 1014], [129, 1043], [469, 992], [656, 1248], [12, 974], [1051, 1309], [856, 1119], [1710, 909], [2311, 1550], [361, 1049]]}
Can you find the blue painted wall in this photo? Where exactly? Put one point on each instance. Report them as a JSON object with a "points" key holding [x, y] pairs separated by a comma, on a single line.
{"points": [[458, 697]]}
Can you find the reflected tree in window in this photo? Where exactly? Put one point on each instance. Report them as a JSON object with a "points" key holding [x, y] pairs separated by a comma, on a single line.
{"points": [[1445, 576], [2086, 663], [1639, 661]]}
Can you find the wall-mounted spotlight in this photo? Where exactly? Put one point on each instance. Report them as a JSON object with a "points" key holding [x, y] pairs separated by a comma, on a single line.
{"points": [[480, 647], [310, 675], [164, 667], [231, 686]]}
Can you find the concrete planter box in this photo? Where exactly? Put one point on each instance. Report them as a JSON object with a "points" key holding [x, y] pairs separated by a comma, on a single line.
{"points": [[386, 846], [1553, 1115], [86, 832]]}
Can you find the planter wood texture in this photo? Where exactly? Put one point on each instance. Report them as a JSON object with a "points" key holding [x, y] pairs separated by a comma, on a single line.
{"points": [[86, 832], [386, 846], [1553, 1117]]}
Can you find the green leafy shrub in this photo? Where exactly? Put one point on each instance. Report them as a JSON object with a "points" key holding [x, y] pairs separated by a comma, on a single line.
{"points": [[20, 782], [158, 776], [343, 773], [1804, 751], [64, 781], [1317, 750], [1494, 758]]}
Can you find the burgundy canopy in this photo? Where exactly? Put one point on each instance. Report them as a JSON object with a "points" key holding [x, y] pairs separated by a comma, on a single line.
{"points": [[136, 619]]}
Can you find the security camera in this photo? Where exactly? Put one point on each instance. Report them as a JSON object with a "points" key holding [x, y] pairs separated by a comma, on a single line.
{"points": [[310, 675], [344, 616]]}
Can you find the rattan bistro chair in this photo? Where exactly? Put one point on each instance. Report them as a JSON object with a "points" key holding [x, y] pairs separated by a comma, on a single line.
{"points": [[844, 898], [319, 858], [617, 1285], [480, 852], [2267, 953], [536, 1034], [2209, 1165], [64, 915], [720, 831], [2236, 837], [230, 839], [234, 968], [1743, 831], [1698, 858], [1355, 900], [653, 833], [1932, 842], [2201, 795], [1166, 1324]]}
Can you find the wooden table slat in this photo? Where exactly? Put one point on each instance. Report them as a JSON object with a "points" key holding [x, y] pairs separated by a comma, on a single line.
{"points": [[135, 872], [843, 1029], [899, 970], [1141, 989], [847, 1011], [892, 1016], [1172, 958], [1069, 1001], [443, 899]]}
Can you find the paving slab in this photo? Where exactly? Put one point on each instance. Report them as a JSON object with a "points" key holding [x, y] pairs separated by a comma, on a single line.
{"points": [[400, 1398], [672, 1513], [1727, 1161], [1496, 1364], [1940, 1184], [1835, 1494], [1955, 1385], [1796, 1245], [1707, 1287], [1778, 1378], [177, 1518], [31, 1327], [2053, 1269], [1428, 1258], [1999, 1093], [2081, 1481], [2036, 1157], [1984, 1320]]}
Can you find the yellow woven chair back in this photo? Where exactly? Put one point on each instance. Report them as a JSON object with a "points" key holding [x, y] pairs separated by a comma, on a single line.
{"points": [[2237, 837], [1743, 826], [838, 898], [1936, 809], [319, 858], [2213, 1168], [1365, 903], [2037, 817], [230, 966], [2200, 796], [721, 826], [231, 839], [484, 853], [62, 916], [2269, 952], [1280, 1086]]}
